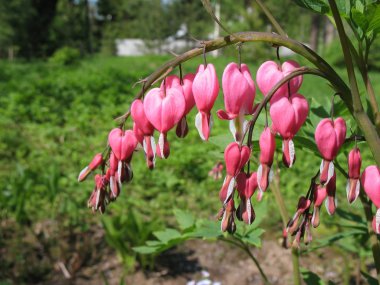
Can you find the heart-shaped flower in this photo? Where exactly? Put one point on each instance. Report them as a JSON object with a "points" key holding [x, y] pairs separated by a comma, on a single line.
{"points": [[269, 73], [320, 195], [235, 157], [371, 183], [139, 117], [122, 143], [288, 114], [239, 91], [353, 184], [329, 137], [246, 186], [267, 144], [205, 91], [164, 108]]}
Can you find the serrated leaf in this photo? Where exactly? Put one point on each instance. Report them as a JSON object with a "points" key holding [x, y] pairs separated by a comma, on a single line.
{"points": [[185, 219], [207, 230], [373, 13], [167, 235], [252, 240]]}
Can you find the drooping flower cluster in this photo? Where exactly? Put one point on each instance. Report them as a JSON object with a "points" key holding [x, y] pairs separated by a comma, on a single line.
{"points": [[166, 107]]}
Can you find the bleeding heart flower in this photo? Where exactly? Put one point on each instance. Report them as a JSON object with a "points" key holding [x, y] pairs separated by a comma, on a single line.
{"points": [[236, 157], [94, 164], [331, 202], [228, 220], [267, 144], [146, 129], [239, 93], [371, 183], [99, 197], [164, 108], [329, 137], [205, 90], [320, 195], [122, 143], [353, 184], [288, 115], [269, 73], [246, 186], [216, 171], [173, 81], [303, 205]]}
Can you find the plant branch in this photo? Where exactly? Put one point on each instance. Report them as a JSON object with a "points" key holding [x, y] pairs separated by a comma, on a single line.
{"points": [[361, 117], [240, 244], [275, 187], [271, 19], [338, 84], [295, 73]]}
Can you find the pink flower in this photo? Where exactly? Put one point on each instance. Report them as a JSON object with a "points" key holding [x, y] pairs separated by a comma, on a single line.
{"points": [[239, 94], [246, 186], [94, 164], [288, 115], [269, 73], [239, 91], [331, 202], [371, 183], [99, 198], [329, 137], [353, 184], [235, 157], [320, 195], [228, 220], [173, 81], [216, 171], [164, 108], [122, 144], [143, 127], [303, 205], [267, 148], [205, 90]]}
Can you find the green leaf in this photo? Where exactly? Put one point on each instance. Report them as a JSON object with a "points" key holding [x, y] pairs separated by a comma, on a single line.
{"points": [[185, 219], [335, 238], [207, 230], [373, 13], [146, 249], [318, 6], [167, 235], [359, 19]]}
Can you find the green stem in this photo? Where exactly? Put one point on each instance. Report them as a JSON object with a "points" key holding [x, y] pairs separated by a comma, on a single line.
{"points": [[360, 115], [275, 187], [272, 19], [240, 244]]}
